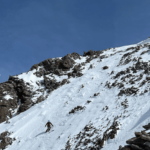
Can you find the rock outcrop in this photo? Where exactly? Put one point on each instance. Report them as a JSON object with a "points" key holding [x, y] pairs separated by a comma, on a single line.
{"points": [[5, 140], [141, 141], [8, 100]]}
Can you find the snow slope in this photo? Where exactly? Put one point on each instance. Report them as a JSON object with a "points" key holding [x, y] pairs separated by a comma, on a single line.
{"points": [[28, 127]]}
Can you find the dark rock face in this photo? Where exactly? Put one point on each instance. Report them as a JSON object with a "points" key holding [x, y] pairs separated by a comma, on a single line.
{"points": [[119, 74], [7, 102], [51, 84], [66, 63], [146, 127], [56, 65], [59, 66], [89, 53], [5, 140], [35, 66], [10, 93], [75, 56], [141, 141], [24, 94], [16, 94]]}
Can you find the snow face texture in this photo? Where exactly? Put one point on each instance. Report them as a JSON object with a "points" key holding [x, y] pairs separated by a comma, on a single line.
{"points": [[95, 101], [5, 140]]}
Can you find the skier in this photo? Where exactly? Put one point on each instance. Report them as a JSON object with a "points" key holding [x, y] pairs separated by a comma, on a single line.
{"points": [[48, 124]]}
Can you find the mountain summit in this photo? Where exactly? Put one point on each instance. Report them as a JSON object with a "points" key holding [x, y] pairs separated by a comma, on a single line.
{"points": [[95, 101]]}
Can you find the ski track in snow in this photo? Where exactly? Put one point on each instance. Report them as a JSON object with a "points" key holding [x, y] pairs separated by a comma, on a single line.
{"points": [[29, 126]]}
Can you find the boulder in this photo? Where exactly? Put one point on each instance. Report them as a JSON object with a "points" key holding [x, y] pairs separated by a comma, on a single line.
{"points": [[35, 66], [140, 142], [5, 140], [75, 56], [66, 63], [7, 89], [105, 67], [89, 53]]}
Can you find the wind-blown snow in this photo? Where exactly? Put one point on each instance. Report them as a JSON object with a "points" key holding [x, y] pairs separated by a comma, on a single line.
{"points": [[29, 126]]}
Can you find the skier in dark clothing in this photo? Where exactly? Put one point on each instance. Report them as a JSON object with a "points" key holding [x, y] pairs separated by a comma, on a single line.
{"points": [[48, 124]]}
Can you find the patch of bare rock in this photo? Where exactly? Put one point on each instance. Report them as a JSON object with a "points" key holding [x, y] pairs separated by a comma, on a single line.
{"points": [[78, 108], [5, 140], [141, 141]]}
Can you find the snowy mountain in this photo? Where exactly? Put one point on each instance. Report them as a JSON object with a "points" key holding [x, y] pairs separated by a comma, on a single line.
{"points": [[95, 101]]}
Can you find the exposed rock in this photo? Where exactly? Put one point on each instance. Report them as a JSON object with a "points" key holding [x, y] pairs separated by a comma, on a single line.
{"points": [[135, 140], [76, 68], [66, 63], [141, 141], [93, 54], [128, 91], [89, 53], [9, 99], [96, 94], [34, 67], [78, 108], [119, 74], [51, 84], [64, 81], [10, 93], [75, 56], [5, 140], [89, 137], [39, 74], [88, 101], [147, 127], [58, 72], [145, 52], [51, 65], [105, 67], [40, 99]]}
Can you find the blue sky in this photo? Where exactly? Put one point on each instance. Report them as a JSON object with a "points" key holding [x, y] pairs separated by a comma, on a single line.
{"points": [[34, 30]]}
